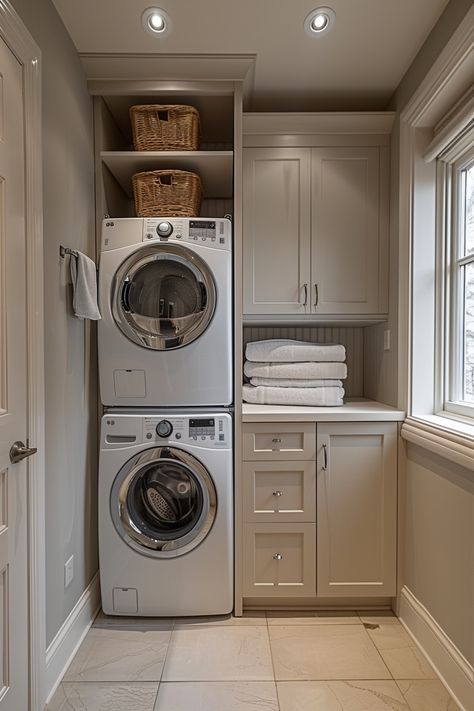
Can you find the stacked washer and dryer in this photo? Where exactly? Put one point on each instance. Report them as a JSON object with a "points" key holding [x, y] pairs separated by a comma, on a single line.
{"points": [[166, 462]]}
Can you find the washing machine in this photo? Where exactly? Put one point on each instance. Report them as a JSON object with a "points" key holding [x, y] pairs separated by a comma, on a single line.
{"points": [[165, 293], [166, 513]]}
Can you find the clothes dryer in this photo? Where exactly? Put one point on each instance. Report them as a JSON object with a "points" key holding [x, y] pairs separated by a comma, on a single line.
{"points": [[165, 291], [166, 513]]}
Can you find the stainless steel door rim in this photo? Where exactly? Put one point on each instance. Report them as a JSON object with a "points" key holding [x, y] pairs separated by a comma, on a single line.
{"points": [[133, 527], [167, 324]]}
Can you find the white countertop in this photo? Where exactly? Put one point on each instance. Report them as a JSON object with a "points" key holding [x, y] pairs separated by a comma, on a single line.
{"points": [[353, 410]]}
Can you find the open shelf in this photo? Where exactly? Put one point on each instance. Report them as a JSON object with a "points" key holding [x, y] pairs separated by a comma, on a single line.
{"points": [[215, 168]]}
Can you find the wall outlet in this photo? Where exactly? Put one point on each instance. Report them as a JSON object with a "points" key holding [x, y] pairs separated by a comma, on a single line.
{"points": [[386, 340], [68, 571]]}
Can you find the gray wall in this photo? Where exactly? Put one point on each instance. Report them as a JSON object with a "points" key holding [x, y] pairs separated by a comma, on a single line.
{"points": [[70, 379], [438, 497]]}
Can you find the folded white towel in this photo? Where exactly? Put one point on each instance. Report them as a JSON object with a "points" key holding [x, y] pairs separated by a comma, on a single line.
{"points": [[316, 371], [84, 285], [315, 397], [295, 383], [288, 351]]}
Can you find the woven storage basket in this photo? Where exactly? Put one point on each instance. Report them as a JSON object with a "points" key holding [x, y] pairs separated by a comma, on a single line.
{"points": [[167, 193], [165, 127]]}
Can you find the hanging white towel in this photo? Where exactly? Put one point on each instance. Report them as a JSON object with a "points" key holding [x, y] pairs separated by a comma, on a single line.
{"points": [[295, 383], [312, 397], [84, 286], [315, 371], [288, 351]]}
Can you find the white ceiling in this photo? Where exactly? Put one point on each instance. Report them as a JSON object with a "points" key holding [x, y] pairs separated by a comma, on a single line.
{"points": [[357, 65]]}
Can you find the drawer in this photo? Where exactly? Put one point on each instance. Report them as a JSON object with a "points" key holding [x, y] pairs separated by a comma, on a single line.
{"points": [[278, 441], [279, 491], [279, 560]]}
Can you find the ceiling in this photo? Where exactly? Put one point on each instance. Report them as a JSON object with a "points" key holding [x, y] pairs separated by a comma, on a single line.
{"points": [[357, 65]]}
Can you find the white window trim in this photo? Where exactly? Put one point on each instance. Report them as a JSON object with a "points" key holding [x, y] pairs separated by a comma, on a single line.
{"points": [[447, 81]]}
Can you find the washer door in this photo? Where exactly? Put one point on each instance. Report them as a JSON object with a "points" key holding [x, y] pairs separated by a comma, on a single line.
{"points": [[163, 502], [163, 296]]}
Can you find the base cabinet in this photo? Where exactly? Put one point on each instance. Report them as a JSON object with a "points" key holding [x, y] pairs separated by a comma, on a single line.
{"points": [[357, 509], [325, 524]]}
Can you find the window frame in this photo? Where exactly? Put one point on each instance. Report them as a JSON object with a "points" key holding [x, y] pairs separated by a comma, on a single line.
{"points": [[450, 299]]}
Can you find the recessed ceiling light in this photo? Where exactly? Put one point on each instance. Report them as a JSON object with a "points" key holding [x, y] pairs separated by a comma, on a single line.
{"points": [[319, 21], [156, 21]]}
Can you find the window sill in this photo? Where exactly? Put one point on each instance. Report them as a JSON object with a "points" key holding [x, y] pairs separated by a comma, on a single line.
{"points": [[450, 438]]}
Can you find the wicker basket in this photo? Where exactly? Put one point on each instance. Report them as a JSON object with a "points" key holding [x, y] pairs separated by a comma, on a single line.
{"points": [[168, 127], [167, 193]]}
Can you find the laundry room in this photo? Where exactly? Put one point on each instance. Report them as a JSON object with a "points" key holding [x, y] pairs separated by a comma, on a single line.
{"points": [[237, 356]]}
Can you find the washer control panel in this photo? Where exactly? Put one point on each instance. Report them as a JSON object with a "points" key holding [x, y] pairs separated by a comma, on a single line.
{"points": [[203, 430], [207, 232]]}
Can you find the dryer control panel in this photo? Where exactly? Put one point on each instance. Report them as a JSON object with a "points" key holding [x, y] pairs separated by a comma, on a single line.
{"points": [[208, 232]]}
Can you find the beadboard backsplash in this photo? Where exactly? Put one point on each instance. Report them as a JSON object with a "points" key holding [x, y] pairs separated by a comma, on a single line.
{"points": [[352, 338]]}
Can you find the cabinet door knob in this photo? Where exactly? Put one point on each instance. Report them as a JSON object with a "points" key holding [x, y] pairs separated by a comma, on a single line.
{"points": [[277, 440], [278, 556], [278, 493]]}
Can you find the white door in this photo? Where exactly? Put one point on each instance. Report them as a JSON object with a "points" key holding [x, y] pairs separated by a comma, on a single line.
{"points": [[276, 231], [13, 392]]}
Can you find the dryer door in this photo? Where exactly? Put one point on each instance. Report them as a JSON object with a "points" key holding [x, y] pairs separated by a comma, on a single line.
{"points": [[163, 296], [163, 502]]}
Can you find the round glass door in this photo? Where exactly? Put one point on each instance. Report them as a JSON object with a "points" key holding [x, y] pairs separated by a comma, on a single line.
{"points": [[163, 296], [163, 502]]}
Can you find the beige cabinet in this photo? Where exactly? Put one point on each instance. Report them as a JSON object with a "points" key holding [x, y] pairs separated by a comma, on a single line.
{"points": [[276, 226], [315, 230], [357, 509], [279, 560]]}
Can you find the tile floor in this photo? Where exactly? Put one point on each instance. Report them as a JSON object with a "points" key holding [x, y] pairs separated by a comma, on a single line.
{"points": [[310, 661]]}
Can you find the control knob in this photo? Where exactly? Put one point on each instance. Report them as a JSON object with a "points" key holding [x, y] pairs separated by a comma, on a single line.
{"points": [[164, 229], [164, 428]]}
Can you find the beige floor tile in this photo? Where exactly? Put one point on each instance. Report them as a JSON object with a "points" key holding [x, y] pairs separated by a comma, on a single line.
{"points": [[427, 695], [248, 619], [400, 654], [340, 696], [378, 617], [325, 652], [313, 617], [102, 620], [104, 697], [228, 653], [217, 696], [115, 654]]}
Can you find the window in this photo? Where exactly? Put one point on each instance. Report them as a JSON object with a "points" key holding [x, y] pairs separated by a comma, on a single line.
{"points": [[459, 268]]}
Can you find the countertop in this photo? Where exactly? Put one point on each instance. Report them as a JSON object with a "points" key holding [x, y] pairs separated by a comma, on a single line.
{"points": [[353, 410]]}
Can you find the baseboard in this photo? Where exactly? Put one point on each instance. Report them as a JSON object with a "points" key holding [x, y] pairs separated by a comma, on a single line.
{"points": [[68, 639], [454, 670]]}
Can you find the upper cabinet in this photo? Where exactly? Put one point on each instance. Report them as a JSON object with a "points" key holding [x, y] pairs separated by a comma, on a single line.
{"points": [[315, 223]]}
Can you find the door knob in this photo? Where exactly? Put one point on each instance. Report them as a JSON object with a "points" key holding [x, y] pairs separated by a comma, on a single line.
{"points": [[19, 451], [278, 556]]}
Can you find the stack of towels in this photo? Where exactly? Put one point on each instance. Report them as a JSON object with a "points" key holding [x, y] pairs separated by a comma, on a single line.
{"points": [[285, 372]]}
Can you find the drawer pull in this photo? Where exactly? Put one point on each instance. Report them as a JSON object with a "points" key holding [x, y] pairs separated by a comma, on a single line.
{"points": [[278, 556], [276, 440], [277, 493]]}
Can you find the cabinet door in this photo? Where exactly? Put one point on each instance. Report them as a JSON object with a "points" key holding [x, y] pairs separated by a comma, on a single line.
{"points": [[349, 234], [276, 231], [279, 491], [280, 560], [357, 509]]}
